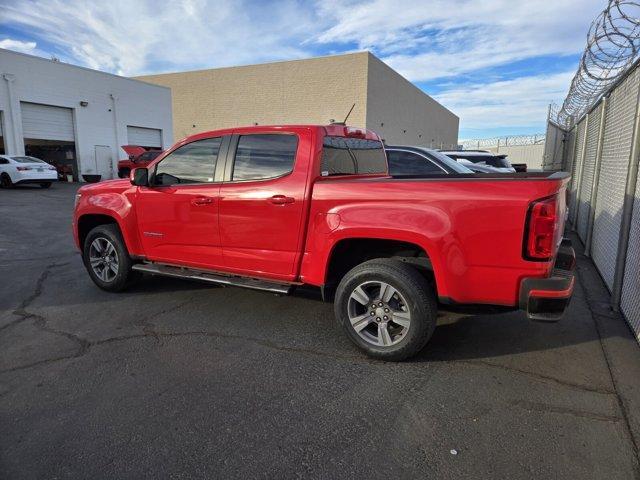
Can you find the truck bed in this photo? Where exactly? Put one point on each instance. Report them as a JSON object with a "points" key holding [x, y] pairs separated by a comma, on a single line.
{"points": [[470, 226]]}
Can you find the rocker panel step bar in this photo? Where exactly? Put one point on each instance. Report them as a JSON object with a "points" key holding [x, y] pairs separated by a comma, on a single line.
{"points": [[194, 274]]}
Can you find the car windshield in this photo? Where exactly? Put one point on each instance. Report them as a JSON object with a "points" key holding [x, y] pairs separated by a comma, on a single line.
{"points": [[150, 155], [448, 161], [27, 160], [498, 161]]}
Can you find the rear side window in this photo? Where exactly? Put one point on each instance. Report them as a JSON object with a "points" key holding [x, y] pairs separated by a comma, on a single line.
{"points": [[344, 156], [263, 156], [194, 162], [409, 163]]}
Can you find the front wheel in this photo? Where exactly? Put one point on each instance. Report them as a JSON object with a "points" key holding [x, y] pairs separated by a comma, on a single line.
{"points": [[5, 181], [386, 308], [106, 258]]}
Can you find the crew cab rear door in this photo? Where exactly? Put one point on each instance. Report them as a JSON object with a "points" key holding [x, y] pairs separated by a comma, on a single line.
{"points": [[178, 211], [263, 202]]}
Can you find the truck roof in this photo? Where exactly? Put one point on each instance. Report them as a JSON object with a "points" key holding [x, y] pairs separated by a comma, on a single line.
{"points": [[333, 129]]}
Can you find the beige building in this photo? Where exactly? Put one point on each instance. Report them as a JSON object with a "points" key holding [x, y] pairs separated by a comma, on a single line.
{"points": [[312, 91]]}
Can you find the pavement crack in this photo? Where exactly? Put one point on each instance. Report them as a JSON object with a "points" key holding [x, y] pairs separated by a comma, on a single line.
{"points": [[21, 310], [40, 322], [540, 377], [545, 408]]}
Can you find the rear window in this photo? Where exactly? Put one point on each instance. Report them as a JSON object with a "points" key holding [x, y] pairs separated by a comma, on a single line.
{"points": [[345, 156], [28, 160]]}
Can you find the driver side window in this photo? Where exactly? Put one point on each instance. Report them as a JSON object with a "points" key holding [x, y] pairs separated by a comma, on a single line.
{"points": [[194, 162]]}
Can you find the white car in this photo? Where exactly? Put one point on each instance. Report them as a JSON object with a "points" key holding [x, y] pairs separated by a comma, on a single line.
{"points": [[19, 169], [494, 162]]}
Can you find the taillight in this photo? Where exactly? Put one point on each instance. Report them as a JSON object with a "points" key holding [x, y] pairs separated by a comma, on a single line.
{"points": [[22, 169], [353, 132], [541, 229]]}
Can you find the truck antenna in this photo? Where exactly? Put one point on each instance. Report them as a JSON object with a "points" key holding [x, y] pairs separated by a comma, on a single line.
{"points": [[351, 110]]}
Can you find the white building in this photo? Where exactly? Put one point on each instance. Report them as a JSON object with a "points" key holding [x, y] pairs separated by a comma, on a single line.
{"points": [[77, 118]]}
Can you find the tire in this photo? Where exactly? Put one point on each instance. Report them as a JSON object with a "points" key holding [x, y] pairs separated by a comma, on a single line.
{"points": [[107, 240], [45, 185], [409, 307], [5, 181]]}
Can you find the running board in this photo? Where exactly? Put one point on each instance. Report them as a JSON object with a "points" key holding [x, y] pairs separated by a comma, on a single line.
{"points": [[194, 274]]}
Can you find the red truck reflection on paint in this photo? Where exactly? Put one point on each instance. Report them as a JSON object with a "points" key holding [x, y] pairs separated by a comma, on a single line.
{"points": [[277, 207]]}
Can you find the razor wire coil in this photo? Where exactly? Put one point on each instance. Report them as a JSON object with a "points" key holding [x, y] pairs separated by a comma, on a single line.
{"points": [[613, 45]]}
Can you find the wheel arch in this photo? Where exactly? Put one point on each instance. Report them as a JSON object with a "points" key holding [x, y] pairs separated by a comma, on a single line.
{"points": [[348, 252]]}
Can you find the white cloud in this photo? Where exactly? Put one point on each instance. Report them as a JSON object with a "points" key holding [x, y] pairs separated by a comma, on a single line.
{"points": [[423, 40], [17, 45], [521, 102], [439, 38], [132, 38]]}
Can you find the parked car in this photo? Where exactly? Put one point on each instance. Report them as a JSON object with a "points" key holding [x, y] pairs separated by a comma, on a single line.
{"points": [[411, 161], [482, 157], [21, 169], [276, 207], [138, 157]]}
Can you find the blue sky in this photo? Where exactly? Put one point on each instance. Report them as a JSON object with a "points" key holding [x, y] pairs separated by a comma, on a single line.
{"points": [[495, 63]]}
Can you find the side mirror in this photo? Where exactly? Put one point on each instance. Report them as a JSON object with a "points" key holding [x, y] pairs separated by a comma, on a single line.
{"points": [[132, 157], [139, 177]]}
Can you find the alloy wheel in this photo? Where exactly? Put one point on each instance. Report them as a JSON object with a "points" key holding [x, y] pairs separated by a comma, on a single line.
{"points": [[379, 313], [103, 259]]}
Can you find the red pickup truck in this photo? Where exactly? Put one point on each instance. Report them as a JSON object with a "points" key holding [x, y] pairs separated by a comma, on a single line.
{"points": [[276, 207], [138, 157]]}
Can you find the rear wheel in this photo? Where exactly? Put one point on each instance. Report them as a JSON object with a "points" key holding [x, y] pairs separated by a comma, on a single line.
{"points": [[106, 258], [5, 181], [386, 308], [45, 185]]}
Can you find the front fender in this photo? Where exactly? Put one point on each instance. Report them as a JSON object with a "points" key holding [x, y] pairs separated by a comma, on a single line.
{"points": [[117, 205]]}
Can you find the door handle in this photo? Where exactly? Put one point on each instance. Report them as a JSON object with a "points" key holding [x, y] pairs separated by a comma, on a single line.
{"points": [[281, 199], [199, 201]]}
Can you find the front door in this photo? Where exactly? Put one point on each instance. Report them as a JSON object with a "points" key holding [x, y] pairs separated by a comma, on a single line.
{"points": [[178, 212], [261, 205]]}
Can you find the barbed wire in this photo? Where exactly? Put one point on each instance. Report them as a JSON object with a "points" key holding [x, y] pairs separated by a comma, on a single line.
{"points": [[506, 141], [613, 44]]}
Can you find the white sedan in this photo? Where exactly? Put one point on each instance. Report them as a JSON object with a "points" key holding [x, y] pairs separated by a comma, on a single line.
{"points": [[19, 169]]}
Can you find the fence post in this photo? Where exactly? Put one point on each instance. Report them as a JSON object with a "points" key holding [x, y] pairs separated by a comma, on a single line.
{"points": [[627, 211], [578, 178], [596, 179]]}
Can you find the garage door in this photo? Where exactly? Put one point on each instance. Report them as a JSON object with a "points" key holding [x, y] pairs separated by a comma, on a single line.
{"points": [[144, 137], [46, 122]]}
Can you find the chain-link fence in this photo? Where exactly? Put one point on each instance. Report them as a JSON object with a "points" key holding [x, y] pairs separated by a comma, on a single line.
{"points": [[601, 151]]}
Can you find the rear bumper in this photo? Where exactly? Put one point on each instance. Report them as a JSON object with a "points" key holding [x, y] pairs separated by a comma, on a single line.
{"points": [[545, 299]]}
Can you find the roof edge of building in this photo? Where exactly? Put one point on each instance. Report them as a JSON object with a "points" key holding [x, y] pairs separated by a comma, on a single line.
{"points": [[248, 65], [409, 82], [58, 62]]}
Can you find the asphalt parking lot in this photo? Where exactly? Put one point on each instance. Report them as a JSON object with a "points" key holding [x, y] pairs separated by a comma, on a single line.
{"points": [[181, 380]]}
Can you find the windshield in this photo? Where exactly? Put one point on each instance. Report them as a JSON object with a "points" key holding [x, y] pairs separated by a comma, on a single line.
{"points": [[150, 155], [449, 162], [27, 160], [498, 161], [349, 156]]}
